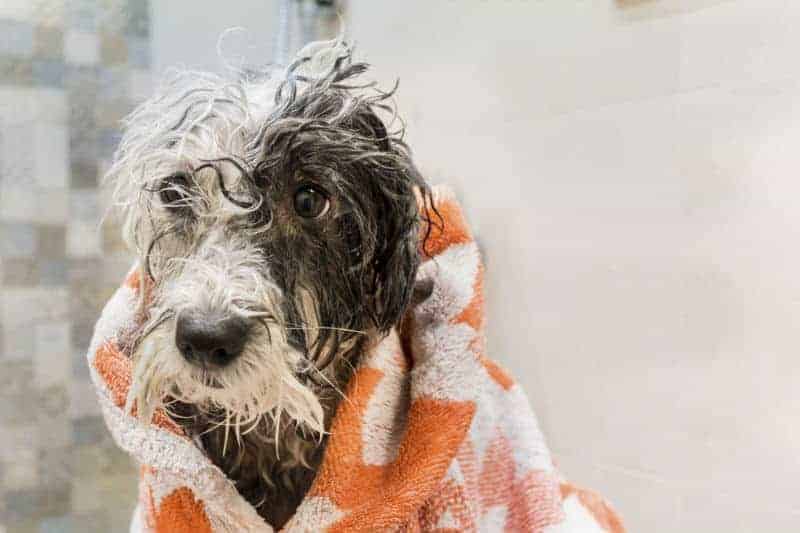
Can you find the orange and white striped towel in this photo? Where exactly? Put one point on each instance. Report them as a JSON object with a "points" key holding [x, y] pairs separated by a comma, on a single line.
{"points": [[438, 439]]}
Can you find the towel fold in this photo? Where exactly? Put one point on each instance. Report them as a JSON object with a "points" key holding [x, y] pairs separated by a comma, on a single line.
{"points": [[431, 436]]}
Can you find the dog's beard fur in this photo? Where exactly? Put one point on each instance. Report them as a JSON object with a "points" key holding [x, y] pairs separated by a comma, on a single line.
{"points": [[263, 419], [263, 382], [205, 175]]}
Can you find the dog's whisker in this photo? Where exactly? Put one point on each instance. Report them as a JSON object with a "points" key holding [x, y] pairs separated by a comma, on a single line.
{"points": [[277, 433], [325, 378], [167, 406], [253, 425], [237, 428], [331, 328], [264, 316], [227, 431]]}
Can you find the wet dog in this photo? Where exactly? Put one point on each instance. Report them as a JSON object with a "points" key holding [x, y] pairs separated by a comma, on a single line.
{"points": [[276, 218]]}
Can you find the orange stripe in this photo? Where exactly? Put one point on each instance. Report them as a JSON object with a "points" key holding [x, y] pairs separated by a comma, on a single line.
{"points": [[497, 374], [116, 368], [446, 231], [435, 430], [180, 512], [602, 512], [473, 313], [132, 281]]}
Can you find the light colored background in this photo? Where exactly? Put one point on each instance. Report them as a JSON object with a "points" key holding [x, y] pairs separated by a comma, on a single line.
{"points": [[633, 173], [630, 167], [69, 71]]}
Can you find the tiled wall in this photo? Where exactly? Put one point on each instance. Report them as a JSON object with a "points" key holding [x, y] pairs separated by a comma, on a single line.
{"points": [[68, 72]]}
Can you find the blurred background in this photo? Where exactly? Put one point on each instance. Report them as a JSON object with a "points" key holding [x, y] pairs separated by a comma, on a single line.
{"points": [[629, 166]]}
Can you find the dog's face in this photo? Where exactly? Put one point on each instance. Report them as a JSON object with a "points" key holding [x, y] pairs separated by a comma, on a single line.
{"points": [[277, 220]]}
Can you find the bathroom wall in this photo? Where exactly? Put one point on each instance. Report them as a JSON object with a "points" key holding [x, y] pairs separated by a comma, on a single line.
{"points": [[631, 169], [69, 71]]}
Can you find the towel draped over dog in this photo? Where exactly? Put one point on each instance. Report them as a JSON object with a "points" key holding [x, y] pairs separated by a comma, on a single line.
{"points": [[432, 434]]}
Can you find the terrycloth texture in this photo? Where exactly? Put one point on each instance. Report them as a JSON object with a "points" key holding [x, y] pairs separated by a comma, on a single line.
{"points": [[433, 435]]}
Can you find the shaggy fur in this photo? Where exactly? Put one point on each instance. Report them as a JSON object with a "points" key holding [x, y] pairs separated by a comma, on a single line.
{"points": [[207, 177]]}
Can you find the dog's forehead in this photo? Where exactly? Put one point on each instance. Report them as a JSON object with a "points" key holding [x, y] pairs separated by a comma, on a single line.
{"points": [[215, 119], [205, 122]]}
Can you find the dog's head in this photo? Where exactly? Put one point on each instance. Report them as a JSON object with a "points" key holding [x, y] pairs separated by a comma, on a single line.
{"points": [[277, 219]]}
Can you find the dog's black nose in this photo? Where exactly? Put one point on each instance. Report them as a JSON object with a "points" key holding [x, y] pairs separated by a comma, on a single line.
{"points": [[210, 339]]}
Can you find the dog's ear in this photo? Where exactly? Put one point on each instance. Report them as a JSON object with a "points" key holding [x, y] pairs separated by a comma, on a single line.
{"points": [[396, 261], [398, 255]]}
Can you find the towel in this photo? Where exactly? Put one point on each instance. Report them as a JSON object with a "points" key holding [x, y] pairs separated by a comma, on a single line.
{"points": [[432, 435]]}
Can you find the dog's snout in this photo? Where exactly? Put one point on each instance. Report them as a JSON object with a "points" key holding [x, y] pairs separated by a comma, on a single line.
{"points": [[210, 339]]}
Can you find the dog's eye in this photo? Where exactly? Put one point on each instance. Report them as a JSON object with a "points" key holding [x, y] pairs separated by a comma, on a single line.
{"points": [[310, 202], [173, 190]]}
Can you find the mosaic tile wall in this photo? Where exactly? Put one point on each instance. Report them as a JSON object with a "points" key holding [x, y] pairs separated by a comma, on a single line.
{"points": [[68, 72]]}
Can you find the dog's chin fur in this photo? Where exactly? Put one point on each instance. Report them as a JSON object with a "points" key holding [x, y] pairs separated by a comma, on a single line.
{"points": [[263, 418], [256, 421]]}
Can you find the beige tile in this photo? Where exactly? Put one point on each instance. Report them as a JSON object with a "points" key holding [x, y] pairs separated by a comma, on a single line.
{"points": [[31, 306], [109, 112], [52, 361], [23, 105], [18, 9], [50, 241], [83, 239], [19, 271], [16, 438], [83, 400], [20, 203], [94, 494], [113, 48], [141, 84], [49, 12], [51, 171], [21, 472], [81, 47], [17, 342], [17, 203], [18, 162], [49, 42]]}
